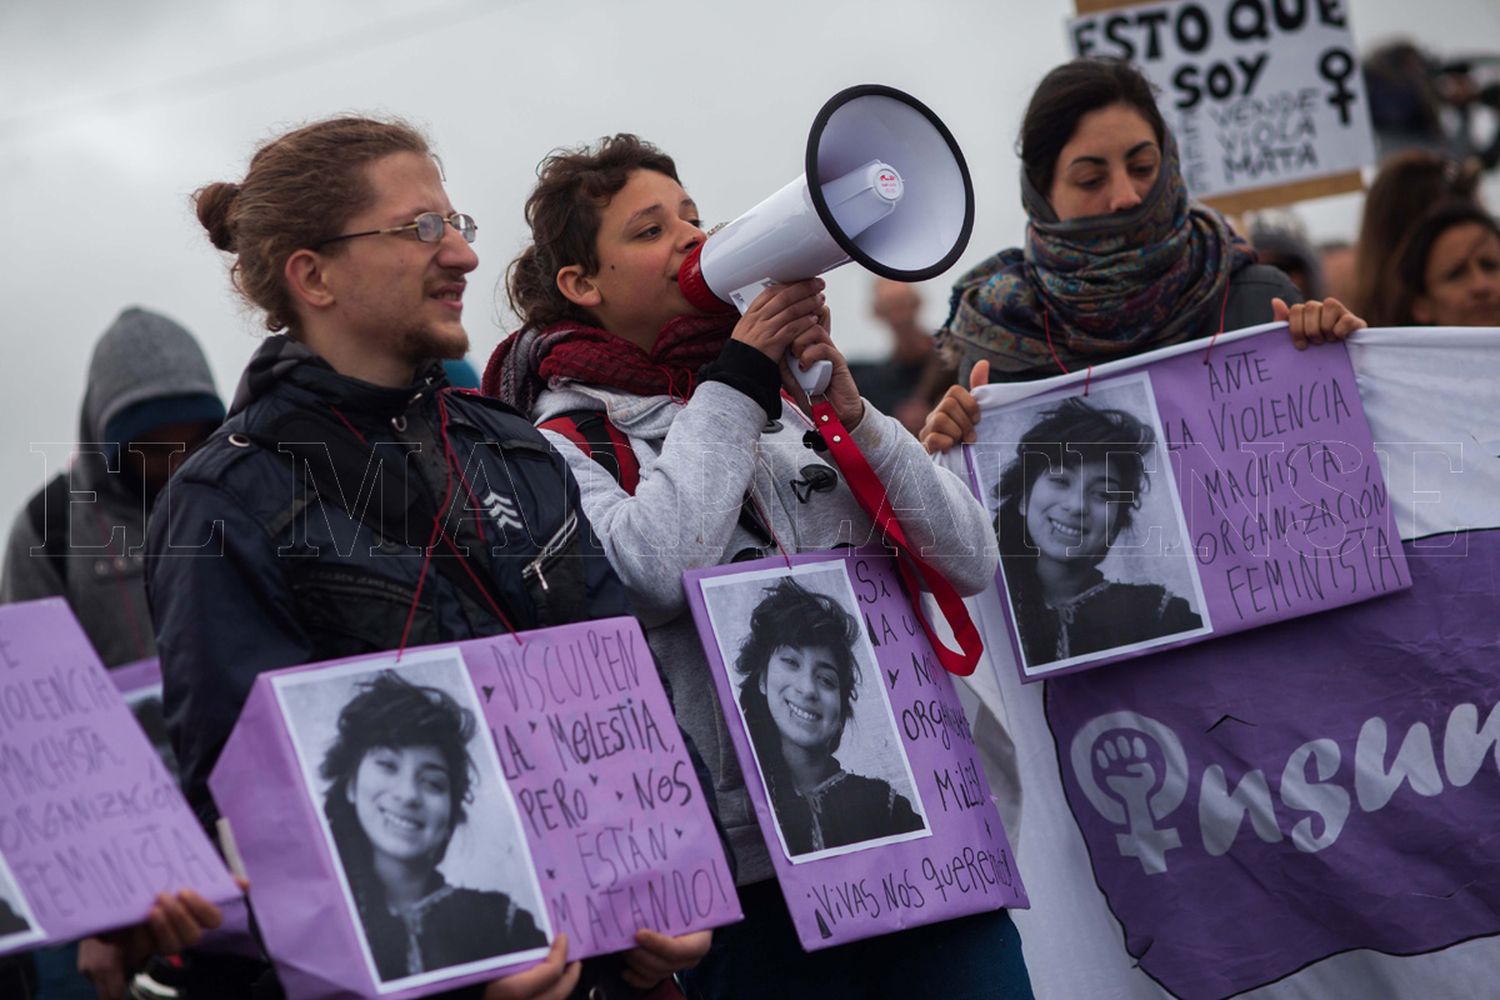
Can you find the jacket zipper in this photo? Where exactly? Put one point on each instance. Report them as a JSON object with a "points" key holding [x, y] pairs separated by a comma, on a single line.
{"points": [[552, 551]]}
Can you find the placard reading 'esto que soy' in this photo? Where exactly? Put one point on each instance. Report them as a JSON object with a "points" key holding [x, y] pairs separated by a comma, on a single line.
{"points": [[92, 825], [1258, 93]]}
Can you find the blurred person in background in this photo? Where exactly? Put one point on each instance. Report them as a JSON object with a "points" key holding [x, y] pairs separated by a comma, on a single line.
{"points": [[1409, 184], [1419, 100], [1447, 272], [149, 402], [1280, 239], [1336, 261], [911, 378]]}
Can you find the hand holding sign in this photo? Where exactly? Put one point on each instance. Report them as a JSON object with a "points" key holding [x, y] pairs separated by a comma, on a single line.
{"points": [[956, 415], [1316, 322], [585, 825], [176, 922], [551, 979], [659, 956]]}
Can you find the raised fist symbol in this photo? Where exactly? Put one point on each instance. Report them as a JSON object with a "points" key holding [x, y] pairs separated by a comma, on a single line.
{"points": [[1124, 765]]}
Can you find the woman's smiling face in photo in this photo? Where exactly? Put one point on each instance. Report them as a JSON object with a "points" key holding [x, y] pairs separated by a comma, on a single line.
{"points": [[403, 799], [801, 685], [1072, 513]]}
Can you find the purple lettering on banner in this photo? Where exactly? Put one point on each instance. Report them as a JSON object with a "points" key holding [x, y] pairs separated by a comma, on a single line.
{"points": [[585, 812], [906, 832], [1351, 760], [619, 826], [1276, 505], [1286, 501], [92, 826]]}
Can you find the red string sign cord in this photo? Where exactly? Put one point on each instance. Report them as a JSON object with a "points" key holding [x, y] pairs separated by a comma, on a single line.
{"points": [[867, 489], [1223, 314], [1088, 376]]}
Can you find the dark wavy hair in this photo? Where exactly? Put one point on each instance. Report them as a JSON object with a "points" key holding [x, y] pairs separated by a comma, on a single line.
{"points": [[1409, 280], [791, 615], [1065, 95], [1068, 435], [573, 187], [390, 712]]}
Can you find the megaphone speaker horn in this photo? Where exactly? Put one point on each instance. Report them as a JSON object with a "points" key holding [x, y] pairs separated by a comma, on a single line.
{"points": [[885, 185], [929, 229]]}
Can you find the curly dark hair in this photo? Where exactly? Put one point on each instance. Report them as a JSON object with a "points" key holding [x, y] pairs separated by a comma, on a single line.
{"points": [[791, 615], [1068, 435], [563, 212], [393, 713]]}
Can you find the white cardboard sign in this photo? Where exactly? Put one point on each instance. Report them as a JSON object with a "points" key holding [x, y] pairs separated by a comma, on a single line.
{"points": [[1260, 93]]}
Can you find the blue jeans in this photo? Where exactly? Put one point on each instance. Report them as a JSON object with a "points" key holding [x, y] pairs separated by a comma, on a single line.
{"points": [[971, 958]]}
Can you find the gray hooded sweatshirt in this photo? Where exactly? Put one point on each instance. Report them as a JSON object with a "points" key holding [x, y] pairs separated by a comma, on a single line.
{"points": [[143, 357], [685, 514]]}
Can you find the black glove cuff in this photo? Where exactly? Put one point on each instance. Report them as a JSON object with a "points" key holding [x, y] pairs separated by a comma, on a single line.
{"points": [[746, 369]]}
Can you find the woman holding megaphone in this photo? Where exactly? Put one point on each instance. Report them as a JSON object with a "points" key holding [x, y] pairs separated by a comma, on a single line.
{"points": [[1117, 260], [686, 435]]}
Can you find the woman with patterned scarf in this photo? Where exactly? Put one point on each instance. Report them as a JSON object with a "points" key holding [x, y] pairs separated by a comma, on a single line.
{"points": [[696, 458], [1117, 260]]}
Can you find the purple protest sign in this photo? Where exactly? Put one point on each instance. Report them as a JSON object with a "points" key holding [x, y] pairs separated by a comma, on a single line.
{"points": [[1199, 494], [139, 683], [1310, 788], [821, 654], [92, 826], [521, 786]]}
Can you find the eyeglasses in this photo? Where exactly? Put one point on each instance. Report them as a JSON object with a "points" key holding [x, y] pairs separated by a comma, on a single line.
{"points": [[429, 227]]}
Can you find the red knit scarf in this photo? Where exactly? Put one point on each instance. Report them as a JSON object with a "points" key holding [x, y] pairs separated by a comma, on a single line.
{"points": [[529, 361]]}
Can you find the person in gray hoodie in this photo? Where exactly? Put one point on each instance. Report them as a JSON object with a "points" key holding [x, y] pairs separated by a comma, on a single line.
{"points": [[149, 401], [698, 459]]}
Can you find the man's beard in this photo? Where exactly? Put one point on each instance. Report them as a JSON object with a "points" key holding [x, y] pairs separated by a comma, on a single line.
{"points": [[424, 344]]}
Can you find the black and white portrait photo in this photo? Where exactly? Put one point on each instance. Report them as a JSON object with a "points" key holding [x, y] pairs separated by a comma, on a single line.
{"points": [[17, 925], [435, 868], [1093, 552], [817, 716]]}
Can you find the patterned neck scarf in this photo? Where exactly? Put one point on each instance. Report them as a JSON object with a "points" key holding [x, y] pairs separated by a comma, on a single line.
{"points": [[531, 360], [1103, 286]]}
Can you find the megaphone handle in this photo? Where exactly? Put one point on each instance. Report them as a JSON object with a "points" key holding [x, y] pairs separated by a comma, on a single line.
{"points": [[815, 379]]}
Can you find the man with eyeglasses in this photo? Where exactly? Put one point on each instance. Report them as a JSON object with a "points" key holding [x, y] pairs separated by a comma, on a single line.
{"points": [[353, 502]]}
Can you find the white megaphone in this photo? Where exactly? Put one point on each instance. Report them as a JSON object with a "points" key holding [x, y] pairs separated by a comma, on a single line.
{"points": [[885, 185]]}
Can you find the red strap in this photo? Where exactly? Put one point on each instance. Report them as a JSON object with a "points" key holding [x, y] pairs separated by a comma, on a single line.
{"points": [[619, 445], [630, 469], [867, 489], [568, 428]]}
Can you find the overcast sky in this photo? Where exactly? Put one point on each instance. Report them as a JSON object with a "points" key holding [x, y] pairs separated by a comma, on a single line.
{"points": [[112, 113]]}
